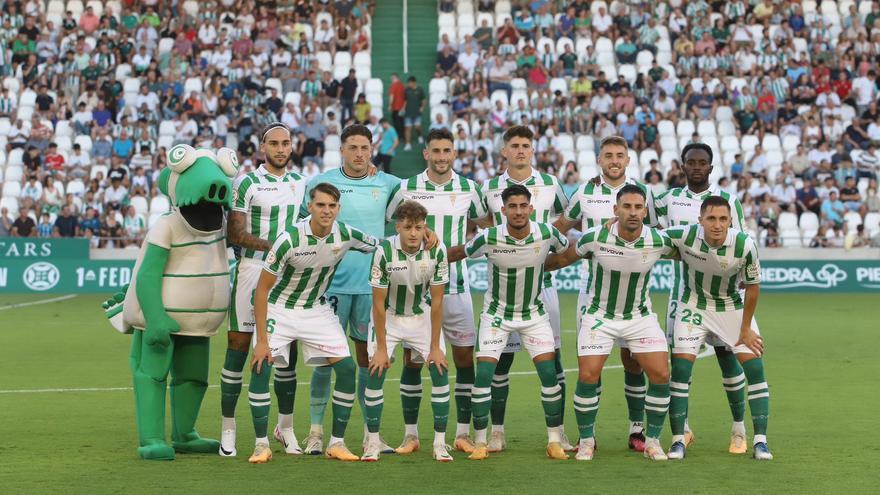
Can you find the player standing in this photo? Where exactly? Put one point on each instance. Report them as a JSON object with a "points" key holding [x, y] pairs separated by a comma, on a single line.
{"points": [[619, 308], [592, 205], [363, 204], [264, 203], [516, 250], [715, 259], [408, 282], [548, 200], [681, 206], [451, 200], [289, 304]]}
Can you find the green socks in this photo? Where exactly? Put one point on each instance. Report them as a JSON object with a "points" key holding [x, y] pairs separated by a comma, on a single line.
{"points": [[285, 387], [586, 407], [634, 388], [319, 394], [656, 407], [481, 395], [343, 395], [678, 390], [374, 401], [363, 376], [410, 394], [464, 383], [759, 394], [230, 381], [551, 393], [560, 378], [501, 388], [260, 399], [439, 397], [734, 382]]}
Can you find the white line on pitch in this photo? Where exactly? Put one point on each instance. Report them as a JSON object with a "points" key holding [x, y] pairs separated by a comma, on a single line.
{"points": [[708, 352], [41, 301]]}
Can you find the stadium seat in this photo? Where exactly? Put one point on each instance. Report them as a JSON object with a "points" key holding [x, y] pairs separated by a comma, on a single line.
{"points": [[445, 20], [685, 128], [585, 142], [775, 158], [76, 7], [559, 84], [140, 204], [872, 224], [84, 142], [14, 173], [123, 72], [771, 142], [15, 157], [852, 219], [159, 204], [97, 7], [586, 158], [294, 97], [324, 60], [564, 142], [628, 71], [706, 128], [11, 189], [748, 143], [644, 58], [561, 43], [63, 142], [809, 224], [645, 158], [76, 187], [98, 169], [332, 159], [669, 143]]}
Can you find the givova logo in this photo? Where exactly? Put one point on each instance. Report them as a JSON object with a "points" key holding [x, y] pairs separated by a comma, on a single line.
{"points": [[41, 276], [825, 277]]}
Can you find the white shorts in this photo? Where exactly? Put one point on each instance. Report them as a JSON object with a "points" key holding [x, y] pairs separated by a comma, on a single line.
{"points": [[596, 336], [535, 335], [317, 330], [693, 327], [582, 310], [458, 320], [413, 332], [550, 298], [241, 315]]}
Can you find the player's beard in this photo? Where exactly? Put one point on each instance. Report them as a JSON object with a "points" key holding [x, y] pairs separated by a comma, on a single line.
{"points": [[608, 171], [272, 162], [440, 168]]}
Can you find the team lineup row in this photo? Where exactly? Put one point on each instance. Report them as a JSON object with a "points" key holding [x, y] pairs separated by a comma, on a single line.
{"points": [[310, 281]]}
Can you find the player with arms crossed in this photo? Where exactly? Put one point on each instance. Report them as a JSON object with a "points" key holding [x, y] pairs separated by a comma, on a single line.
{"points": [[592, 205], [516, 250], [548, 200], [408, 282], [363, 204], [619, 308], [264, 203], [681, 206], [715, 259], [451, 201], [289, 304]]}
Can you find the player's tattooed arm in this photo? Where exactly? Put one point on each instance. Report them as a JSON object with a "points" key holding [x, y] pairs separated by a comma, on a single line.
{"points": [[561, 260], [455, 253], [563, 224], [485, 222], [238, 236]]}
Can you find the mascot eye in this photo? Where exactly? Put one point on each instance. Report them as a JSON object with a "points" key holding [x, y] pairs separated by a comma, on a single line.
{"points": [[227, 160], [181, 157]]}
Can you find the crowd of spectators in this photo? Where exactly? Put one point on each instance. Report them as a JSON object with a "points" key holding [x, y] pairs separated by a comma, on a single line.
{"points": [[94, 93], [784, 92]]}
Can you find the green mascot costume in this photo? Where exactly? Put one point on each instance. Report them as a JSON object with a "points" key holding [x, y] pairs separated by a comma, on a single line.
{"points": [[177, 299]]}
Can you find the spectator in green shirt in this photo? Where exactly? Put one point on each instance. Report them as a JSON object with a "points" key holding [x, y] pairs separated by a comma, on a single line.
{"points": [[412, 116]]}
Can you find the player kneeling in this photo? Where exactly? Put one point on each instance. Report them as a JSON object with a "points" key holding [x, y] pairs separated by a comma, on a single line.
{"points": [[289, 304], [716, 259], [408, 281]]}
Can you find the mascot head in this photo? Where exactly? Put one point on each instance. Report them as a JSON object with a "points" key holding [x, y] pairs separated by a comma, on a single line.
{"points": [[198, 182]]}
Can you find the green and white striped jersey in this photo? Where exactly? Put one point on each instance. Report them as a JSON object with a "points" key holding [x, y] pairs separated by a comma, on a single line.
{"points": [[449, 207], [408, 276], [305, 263], [271, 204], [515, 268], [617, 287], [548, 198], [680, 206], [594, 204], [711, 276]]}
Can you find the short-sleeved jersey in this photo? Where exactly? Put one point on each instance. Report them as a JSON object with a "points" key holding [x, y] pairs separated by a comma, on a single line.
{"points": [[711, 275], [306, 264], [515, 268], [593, 204], [271, 204], [408, 276], [548, 199], [617, 287], [680, 206], [362, 206], [449, 207]]}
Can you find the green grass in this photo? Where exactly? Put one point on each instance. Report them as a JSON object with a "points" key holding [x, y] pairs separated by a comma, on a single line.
{"points": [[818, 366]]}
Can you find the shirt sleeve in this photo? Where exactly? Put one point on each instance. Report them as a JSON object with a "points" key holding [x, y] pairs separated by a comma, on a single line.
{"points": [[561, 201], [361, 241], [737, 214], [651, 219], [241, 194], [573, 212], [441, 271], [660, 210], [276, 258], [751, 269], [476, 247], [394, 201], [560, 242], [378, 271], [478, 208], [162, 233], [584, 245]]}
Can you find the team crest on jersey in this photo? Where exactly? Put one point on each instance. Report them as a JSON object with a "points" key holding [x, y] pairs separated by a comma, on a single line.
{"points": [[270, 257], [753, 270], [534, 192], [293, 187], [376, 194], [234, 195], [452, 198], [376, 273]]}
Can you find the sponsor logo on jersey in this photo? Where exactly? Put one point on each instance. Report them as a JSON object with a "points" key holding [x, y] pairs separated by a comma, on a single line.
{"points": [[694, 255], [608, 250], [305, 253], [503, 251], [267, 188], [680, 203], [422, 196], [343, 191], [596, 201], [397, 268]]}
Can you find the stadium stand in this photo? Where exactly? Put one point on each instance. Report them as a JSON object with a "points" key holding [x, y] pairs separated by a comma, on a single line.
{"points": [[785, 93]]}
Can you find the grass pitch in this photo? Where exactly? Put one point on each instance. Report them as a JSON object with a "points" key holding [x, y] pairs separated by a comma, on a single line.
{"points": [[68, 420]]}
